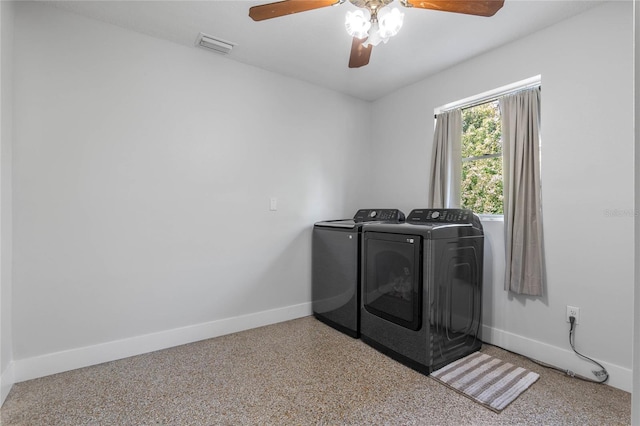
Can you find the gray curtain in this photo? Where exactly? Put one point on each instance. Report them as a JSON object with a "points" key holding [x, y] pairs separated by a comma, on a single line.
{"points": [[524, 249], [446, 166]]}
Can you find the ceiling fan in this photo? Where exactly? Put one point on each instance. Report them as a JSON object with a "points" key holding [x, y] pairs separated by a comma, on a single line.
{"points": [[372, 23]]}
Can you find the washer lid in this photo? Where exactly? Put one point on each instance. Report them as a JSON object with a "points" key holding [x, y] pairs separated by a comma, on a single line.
{"points": [[341, 223]]}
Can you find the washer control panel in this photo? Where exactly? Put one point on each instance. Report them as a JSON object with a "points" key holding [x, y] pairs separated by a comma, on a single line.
{"points": [[387, 215], [440, 216]]}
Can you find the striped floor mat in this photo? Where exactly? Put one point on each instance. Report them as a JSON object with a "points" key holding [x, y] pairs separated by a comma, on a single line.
{"points": [[486, 380]]}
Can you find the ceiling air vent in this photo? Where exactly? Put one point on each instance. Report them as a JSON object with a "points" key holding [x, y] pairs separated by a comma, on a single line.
{"points": [[211, 43]]}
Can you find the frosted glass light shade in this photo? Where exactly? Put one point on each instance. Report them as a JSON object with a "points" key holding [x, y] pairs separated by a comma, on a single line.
{"points": [[358, 23], [390, 22]]}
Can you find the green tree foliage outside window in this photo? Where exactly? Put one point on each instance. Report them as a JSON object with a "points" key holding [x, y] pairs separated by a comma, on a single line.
{"points": [[482, 182]]}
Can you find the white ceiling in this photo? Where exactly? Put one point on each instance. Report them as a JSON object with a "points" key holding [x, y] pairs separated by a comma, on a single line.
{"points": [[314, 46]]}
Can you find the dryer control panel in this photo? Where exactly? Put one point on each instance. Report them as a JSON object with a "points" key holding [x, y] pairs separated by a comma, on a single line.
{"points": [[387, 215], [458, 216]]}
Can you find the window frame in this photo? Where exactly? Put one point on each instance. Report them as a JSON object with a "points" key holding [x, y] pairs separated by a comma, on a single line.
{"points": [[485, 97]]}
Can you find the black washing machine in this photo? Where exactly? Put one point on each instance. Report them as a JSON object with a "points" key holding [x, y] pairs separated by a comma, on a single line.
{"points": [[335, 275], [422, 287]]}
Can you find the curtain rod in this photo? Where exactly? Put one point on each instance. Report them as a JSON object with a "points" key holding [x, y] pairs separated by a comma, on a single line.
{"points": [[491, 95]]}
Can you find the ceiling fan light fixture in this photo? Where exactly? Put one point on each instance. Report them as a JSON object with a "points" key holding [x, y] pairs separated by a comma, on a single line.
{"points": [[358, 23], [390, 22], [373, 22]]}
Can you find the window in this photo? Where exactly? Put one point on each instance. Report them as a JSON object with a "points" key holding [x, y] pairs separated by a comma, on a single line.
{"points": [[482, 183], [468, 170], [474, 166]]}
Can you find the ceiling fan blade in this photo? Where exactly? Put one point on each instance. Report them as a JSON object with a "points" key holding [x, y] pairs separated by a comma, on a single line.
{"points": [[287, 7], [359, 54], [469, 7]]}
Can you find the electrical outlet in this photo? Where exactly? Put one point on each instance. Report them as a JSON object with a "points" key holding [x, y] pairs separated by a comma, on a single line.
{"points": [[572, 311]]}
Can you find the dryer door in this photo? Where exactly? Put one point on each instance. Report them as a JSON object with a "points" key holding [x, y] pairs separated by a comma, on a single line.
{"points": [[392, 287]]}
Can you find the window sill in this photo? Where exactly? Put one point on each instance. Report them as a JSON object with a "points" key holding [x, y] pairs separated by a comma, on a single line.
{"points": [[491, 217]]}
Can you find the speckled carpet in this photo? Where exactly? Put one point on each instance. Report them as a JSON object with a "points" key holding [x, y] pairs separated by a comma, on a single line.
{"points": [[298, 372]]}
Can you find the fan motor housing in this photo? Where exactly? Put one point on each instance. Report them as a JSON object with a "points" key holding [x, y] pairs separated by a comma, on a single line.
{"points": [[370, 4]]}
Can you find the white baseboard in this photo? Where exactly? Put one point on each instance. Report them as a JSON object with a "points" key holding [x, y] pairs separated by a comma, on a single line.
{"points": [[7, 379], [44, 365], [566, 359]]}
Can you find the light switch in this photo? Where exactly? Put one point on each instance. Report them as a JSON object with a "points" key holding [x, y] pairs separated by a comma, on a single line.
{"points": [[273, 204]]}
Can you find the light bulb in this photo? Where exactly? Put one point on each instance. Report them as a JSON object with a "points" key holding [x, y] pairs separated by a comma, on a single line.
{"points": [[390, 22], [357, 23]]}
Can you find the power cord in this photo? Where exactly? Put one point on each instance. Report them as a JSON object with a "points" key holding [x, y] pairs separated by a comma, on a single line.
{"points": [[598, 373]]}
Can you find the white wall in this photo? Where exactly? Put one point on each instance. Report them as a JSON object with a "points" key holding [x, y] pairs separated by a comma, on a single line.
{"points": [[587, 176], [6, 130], [142, 177]]}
